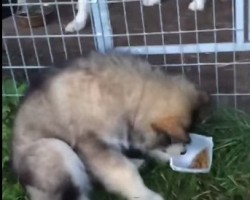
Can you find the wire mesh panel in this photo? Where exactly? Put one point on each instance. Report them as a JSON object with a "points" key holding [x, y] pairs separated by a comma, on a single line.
{"points": [[27, 47], [211, 46]]}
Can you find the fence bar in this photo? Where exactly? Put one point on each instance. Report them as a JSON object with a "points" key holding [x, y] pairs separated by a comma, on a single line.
{"points": [[239, 21], [106, 25], [102, 26], [248, 19], [186, 48]]}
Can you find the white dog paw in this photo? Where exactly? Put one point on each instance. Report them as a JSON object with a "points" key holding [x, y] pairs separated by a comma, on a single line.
{"points": [[159, 156], [75, 26], [150, 2], [194, 5]]}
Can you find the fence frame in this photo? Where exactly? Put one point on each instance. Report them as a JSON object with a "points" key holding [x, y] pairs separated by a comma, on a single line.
{"points": [[105, 41], [103, 38]]}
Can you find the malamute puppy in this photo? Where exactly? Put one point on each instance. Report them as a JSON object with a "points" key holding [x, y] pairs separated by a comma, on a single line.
{"points": [[81, 117]]}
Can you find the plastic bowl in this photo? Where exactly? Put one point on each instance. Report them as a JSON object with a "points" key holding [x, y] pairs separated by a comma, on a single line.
{"points": [[198, 143]]}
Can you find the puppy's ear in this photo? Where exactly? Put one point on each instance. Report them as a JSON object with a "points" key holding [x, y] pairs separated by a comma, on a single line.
{"points": [[172, 127]]}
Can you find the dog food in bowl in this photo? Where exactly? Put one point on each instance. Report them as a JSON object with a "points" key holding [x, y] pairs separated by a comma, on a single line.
{"points": [[201, 160], [198, 157]]}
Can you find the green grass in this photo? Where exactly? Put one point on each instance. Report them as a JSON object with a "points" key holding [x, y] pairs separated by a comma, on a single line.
{"points": [[229, 178]]}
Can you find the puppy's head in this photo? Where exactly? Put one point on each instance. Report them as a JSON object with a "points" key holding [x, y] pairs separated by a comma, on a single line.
{"points": [[171, 134], [174, 117]]}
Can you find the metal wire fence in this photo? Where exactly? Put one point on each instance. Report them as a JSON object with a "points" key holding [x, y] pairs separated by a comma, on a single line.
{"points": [[212, 46]]}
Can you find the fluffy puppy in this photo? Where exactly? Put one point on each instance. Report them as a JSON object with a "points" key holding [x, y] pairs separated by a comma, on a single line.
{"points": [[81, 117]]}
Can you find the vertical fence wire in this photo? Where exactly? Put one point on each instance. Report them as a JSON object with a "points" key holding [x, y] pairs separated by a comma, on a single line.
{"points": [[126, 22], [180, 35], [61, 31], [33, 40], [19, 42], [11, 70], [197, 45], [215, 55], [143, 29], [46, 31], [162, 36], [234, 55]]}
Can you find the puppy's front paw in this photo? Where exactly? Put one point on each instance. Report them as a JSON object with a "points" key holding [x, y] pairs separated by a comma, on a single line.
{"points": [[150, 2], [75, 26], [159, 156], [194, 5]]}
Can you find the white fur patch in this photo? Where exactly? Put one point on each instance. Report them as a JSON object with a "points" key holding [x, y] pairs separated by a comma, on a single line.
{"points": [[159, 155], [197, 5], [81, 18], [175, 149], [74, 165], [150, 2]]}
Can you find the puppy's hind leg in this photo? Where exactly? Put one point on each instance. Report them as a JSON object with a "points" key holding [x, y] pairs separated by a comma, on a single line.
{"points": [[81, 18], [114, 170], [51, 170], [37, 194]]}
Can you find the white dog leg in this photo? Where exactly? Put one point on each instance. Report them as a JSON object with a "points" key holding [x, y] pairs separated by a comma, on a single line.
{"points": [[197, 5], [23, 8], [164, 156], [150, 2], [81, 18], [159, 156], [115, 171]]}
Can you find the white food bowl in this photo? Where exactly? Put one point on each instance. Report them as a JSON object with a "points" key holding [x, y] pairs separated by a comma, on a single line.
{"points": [[198, 143]]}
